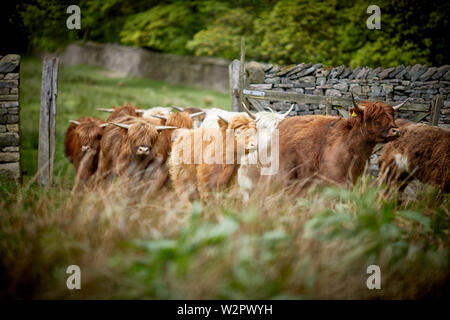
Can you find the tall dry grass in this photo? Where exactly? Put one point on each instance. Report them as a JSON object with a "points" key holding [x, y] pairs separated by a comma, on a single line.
{"points": [[134, 246]]}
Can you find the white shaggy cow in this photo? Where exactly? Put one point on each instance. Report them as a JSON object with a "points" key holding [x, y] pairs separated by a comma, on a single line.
{"points": [[257, 164]]}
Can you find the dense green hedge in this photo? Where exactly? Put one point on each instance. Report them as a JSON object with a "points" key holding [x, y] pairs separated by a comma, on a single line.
{"points": [[288, 31]]}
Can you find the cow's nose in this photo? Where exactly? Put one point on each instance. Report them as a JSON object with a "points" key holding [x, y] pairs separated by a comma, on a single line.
{"points": [[395, 132], [143, 150], [84, 148]]}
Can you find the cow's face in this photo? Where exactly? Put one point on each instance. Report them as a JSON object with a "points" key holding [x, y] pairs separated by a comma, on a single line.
{"points": [[90, 134], [379, 121], [244, 131], [246, 136], [142, 137]]}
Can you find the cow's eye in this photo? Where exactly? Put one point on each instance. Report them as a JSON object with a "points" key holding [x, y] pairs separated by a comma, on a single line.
{"points": [[238, 131]]}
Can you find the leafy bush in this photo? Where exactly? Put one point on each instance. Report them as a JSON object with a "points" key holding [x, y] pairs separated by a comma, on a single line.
{"points": [[46, 22], [223, 37], [298, 31], [164, 28]]}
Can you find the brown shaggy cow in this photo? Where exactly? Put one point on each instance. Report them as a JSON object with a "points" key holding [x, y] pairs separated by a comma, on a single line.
{"points": [[125, 110], [195, 172], [131, 148], [181, 120], [333, 149], [82, 144], [199, 115], [422, 152]]}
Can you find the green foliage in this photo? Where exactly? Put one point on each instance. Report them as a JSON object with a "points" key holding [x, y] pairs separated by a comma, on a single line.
{"points": [[288, 31], [223, 37], [164, 28], [407, 35], [46, 22], [298, 31]]}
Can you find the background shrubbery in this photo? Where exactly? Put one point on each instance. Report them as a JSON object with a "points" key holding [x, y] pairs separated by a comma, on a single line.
{"points": [[287, 31]]}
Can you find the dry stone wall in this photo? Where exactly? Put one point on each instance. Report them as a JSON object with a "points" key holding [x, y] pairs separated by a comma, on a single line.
{"points": [[204, 72], [10, 117], [419, 82]]}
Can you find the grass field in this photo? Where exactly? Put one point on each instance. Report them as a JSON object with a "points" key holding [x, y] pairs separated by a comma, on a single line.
{"points": [[273, 247]]}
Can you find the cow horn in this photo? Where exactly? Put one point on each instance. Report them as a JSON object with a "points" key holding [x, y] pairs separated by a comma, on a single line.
{"points": [[103, 125], [248, 111], [105, 110], [400, 105], [74, 122], [289, 111], [270, 109], [355, 105], [223, 119], [197, 114], [121, 125], [178, 108], [159, 117], [159, 128]]}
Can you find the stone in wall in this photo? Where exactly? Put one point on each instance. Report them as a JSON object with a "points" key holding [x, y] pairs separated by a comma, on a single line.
{"points": [[9, 117]]}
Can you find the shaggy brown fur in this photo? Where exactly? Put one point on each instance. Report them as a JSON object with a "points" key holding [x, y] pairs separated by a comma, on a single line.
{"points": [[119, 158], [333, 148], [422, 152], [87, 135], [126, 110], [118, 149], [201, 177], [180, 120], [175, 119]]}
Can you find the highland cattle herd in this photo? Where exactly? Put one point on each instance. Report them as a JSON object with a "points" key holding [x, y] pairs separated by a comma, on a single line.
{"points": [[197, 151]]}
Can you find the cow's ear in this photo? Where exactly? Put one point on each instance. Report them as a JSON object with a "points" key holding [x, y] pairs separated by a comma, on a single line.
{"points": [[357, 110], [354, 112], [223, 124]]}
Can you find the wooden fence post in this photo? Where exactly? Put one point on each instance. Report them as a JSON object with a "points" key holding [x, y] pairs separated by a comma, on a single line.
{"points": [[233, 73], [47, 121], [436, 109], [242, 75], [328, 107]]}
